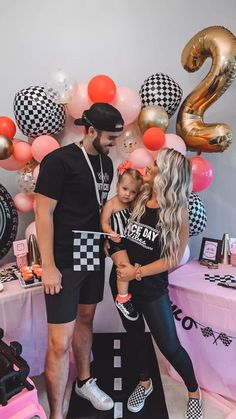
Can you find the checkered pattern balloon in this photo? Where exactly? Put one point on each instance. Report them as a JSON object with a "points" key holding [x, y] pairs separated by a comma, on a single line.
{"points": [[160, 89], [197, 215], [36, 115]]}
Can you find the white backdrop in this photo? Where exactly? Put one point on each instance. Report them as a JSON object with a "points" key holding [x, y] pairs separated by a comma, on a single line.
{"points": [[127, 40]]}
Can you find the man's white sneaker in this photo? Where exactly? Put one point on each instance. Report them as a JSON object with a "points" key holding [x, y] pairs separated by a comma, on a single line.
{"points": [[91, 392]]}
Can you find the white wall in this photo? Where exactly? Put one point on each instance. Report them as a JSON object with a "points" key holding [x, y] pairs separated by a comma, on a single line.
{"points": [[127, 40]]}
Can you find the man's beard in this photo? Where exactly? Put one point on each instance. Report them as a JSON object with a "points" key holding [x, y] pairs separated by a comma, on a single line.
{"points": [[97, 145]]}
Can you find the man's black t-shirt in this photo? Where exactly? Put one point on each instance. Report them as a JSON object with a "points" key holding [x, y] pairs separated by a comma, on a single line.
{"points": [[143, 246], [66, 177]]}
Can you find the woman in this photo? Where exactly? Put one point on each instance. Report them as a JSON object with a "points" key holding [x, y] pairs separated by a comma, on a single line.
{"points": [[156, 237]]}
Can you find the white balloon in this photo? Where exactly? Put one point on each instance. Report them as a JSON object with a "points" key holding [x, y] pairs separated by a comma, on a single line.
{"points": [[186, 256]]}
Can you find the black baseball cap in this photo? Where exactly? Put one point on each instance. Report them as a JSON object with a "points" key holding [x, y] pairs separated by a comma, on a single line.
{"points": [[103, 117]]}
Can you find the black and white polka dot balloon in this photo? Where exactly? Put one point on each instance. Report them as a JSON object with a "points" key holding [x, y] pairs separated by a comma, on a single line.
{"points": [[160, 89], [36, 114], [197, 215]]}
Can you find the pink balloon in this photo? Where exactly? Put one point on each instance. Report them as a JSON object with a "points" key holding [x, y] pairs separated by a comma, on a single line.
{"points": [[175, 142], [43, 145], [202, 172], [79, 100], [140, 158], [36, 172], [128, 102], [12, 163], [22, 151], [23, 202], [31, 229]]}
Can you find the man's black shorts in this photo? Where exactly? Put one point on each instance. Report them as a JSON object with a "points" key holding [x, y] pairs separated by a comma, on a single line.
{"points": [[77, 288]]}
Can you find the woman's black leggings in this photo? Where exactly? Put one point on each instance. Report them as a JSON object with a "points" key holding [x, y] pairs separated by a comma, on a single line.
{"points": [[159, 317]]}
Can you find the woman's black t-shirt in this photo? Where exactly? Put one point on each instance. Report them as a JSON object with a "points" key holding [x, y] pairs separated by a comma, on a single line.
{"points": [[66, 177], [143, 246]]}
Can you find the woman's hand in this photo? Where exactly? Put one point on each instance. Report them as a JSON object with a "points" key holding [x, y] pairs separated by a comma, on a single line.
{"points": [[125, 272]]}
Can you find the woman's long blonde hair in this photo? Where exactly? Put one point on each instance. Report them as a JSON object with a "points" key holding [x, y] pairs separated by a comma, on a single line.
{"points": [[172, 185]]}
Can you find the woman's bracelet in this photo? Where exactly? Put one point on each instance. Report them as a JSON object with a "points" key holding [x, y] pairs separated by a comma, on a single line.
{"points": [[138, 272]]}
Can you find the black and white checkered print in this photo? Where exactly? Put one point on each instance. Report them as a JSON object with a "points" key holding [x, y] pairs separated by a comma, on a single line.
{"points": [[194, 409], [197, 215], [86, 251], [138, 397], [36, 115], [160, 89], [220, 278]]}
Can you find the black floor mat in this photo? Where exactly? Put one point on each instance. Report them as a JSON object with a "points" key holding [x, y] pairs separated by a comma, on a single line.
{"points": [[103, 368]]}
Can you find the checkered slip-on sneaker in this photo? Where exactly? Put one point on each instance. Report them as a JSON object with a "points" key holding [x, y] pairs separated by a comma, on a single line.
{"points": [[137, 399], [194, 409]]}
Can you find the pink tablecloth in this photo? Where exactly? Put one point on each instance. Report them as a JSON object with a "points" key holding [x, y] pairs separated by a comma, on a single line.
{"points": [[23, 319], [205, 316]]}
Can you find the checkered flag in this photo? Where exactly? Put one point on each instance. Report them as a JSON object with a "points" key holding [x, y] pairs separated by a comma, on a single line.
{"points": [[225, 339], [207, 331], [220, 278], [86, 250]]}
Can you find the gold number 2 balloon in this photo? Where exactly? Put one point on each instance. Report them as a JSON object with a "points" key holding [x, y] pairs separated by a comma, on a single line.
{"points": [[218, 43]]}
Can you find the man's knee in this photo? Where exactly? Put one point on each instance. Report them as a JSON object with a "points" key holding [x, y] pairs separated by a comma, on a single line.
{"points": [[59, 346], [86, 314], [59, 338]]}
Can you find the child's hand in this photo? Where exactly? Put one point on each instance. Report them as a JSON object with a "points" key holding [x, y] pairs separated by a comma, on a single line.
{"points": [[115, 237]]}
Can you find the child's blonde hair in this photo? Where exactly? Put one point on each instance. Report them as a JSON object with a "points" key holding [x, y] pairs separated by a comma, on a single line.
{"points": [[133, 173]]}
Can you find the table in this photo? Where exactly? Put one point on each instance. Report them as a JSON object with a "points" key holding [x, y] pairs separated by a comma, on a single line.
{"points": [[205, 317], [23, 319]]}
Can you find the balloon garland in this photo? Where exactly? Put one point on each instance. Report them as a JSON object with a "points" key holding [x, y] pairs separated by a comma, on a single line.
{"points": [[40, 112]]}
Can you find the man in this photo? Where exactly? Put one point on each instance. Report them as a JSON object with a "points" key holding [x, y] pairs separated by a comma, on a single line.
{"points": [[72, 186]]}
